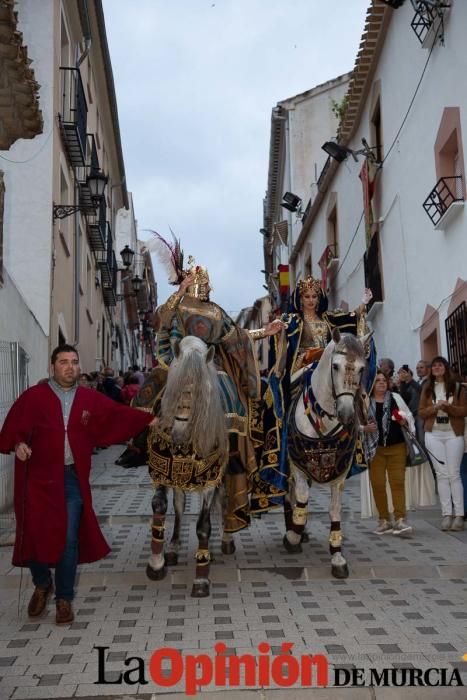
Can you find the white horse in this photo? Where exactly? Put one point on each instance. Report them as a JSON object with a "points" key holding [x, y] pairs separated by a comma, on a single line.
{"points": [[187, 452], [322, 434]]}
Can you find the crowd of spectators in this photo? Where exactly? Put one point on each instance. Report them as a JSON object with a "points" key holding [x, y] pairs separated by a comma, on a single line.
{"points": [[437, 401], [122, 387]]}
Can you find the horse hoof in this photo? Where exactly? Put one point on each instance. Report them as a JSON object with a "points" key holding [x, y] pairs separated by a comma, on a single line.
{"points": [[305, 537], [200, 590], [340, 571], [291, 548], [156, 574], [171, 558], [228, 547]]}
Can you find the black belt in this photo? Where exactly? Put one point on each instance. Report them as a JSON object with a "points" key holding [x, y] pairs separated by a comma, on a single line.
{"points": [[70, 468]]}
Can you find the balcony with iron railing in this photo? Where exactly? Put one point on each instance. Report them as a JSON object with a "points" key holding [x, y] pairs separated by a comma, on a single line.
{"points": [[444, 200], [109, 290], [90, 168], [97, 228], [143, 297], [73, 115], [105, 257], [428, 21]]}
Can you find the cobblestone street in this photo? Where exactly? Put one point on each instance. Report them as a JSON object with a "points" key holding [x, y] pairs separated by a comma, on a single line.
{"points": [[404, 604]]}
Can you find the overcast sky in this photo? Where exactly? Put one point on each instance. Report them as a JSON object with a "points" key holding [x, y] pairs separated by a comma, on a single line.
{"points": [[196, 81]]}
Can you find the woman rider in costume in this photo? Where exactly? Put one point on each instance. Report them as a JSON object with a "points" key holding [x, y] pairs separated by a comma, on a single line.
{"points": [[308, 330]]}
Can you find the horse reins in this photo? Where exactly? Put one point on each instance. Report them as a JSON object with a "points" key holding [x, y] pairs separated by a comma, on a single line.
{"points": [[342, 393], [319, 410]]}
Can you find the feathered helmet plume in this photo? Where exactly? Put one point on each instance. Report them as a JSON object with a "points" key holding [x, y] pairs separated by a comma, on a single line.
{"points": [[170, 255]]}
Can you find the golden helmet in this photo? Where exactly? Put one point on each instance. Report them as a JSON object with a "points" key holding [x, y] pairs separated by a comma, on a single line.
{"points": [[201, 286]]}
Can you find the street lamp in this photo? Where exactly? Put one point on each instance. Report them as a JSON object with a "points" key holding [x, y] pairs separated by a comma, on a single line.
{"points": [[291, 202], [340, 153], [127, 256], [136, 282], [96, 184]]}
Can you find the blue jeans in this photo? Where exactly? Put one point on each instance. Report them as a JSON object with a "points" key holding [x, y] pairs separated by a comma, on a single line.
{"points": [[464, 479], [65, 569]]}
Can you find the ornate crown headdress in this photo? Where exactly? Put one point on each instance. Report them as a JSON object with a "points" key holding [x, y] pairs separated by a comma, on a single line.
{"points": [[201, 285], [310, 283], [171, 256]]}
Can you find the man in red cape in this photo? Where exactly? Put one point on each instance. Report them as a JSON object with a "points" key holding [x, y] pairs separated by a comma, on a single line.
{"points": [[53, 428]]}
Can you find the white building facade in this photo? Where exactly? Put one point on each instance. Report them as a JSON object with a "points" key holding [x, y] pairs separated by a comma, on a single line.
{"points": [[60, 270], [408, 241], [27, 210], [299, 126], [58, 247]]}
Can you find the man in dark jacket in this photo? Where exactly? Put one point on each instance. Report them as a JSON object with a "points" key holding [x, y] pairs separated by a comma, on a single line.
{"points": [[110, 387], [409, 389]]}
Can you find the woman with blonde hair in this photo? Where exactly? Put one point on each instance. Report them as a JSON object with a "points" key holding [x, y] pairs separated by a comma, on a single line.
{"points": [[387, 453], [443, 406]]}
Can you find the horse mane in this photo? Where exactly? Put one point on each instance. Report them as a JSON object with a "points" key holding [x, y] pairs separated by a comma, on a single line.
{"points": [[352, 346], [205, 429]]}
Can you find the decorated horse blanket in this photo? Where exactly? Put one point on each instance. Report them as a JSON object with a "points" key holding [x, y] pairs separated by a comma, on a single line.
{"points": [[325, 457]]}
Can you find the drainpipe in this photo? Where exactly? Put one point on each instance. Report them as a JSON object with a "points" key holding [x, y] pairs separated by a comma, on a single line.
{"points": [[77, 260], [288, 137], [86, 34], [77, 241]]}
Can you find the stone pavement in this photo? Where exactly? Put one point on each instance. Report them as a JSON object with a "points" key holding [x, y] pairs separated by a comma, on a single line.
{"points": [[403, 606]]}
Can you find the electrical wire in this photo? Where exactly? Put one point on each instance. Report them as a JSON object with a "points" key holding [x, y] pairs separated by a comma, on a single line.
{"points": [[28, 160], [351, 243], [415, 93], [443, 301], [394, 140]]}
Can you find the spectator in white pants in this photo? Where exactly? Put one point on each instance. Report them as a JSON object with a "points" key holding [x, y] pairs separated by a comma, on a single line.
{"points": [[443, 406]]}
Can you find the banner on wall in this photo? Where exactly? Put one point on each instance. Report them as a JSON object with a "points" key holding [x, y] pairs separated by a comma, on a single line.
{"points": [[283, 279], [324, 263]]}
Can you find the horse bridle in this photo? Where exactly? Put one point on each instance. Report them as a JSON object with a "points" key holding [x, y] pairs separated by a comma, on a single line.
{"points": [[342, 393], [315, 405]]}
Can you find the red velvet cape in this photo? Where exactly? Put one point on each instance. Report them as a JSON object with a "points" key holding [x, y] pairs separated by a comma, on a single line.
{"points": [[39, 493]]}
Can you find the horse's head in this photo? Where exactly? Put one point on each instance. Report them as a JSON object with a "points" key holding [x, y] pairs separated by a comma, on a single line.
{"points": [[347, 367], [191, 407], [188, 345]]}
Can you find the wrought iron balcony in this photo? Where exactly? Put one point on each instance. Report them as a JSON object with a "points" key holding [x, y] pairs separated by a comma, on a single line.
{"points": [[142, 298], [428, 20], [446, 191], [109, 291], [105, 257], [73, 115], [90, 167], [456, 336], [97, 228]]}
